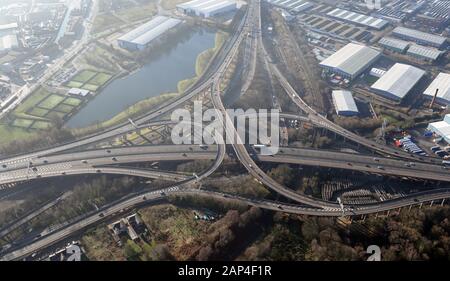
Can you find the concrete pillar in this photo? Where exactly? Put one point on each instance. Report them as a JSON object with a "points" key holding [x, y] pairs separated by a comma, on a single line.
{"points": [[388, 212], [410, 206], [420, 206], [442, 203], [431, 204], [376, 215]]}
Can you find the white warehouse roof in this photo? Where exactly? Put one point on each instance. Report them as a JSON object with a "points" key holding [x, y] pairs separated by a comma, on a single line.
{"points": [[344, 102], [292, 5], [394, 43], [399, 80], [8, 42], [351, 59], [424, 52], [206, 7], [147, 32], [441, 82], [358, 18], [419, 35]]}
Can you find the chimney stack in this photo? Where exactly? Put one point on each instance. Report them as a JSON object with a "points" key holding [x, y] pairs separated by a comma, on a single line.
{"points": [[434, 99]]}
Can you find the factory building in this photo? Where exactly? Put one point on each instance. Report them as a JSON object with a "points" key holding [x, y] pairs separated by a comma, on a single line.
{"points": [[424, 53], [441, 83], [419, 37], [351, 60], [295, 6], [139, 38], [207, 8], [398, 81], [441, 128], [393, 44], [8, 42], [359, 19], [344, 103]]}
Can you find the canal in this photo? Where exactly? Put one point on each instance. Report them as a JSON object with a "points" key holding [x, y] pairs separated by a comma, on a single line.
{"points": [[164, 68]]}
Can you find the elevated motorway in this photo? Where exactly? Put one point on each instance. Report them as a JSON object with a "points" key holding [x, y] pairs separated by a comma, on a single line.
{"points": [[157, 196]]}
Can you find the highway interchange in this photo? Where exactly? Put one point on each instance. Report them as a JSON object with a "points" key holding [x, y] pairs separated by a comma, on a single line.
{"points": [[63, 160]]}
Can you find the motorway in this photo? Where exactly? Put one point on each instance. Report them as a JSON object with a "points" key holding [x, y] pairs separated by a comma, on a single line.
{"points": [[49, 162]]}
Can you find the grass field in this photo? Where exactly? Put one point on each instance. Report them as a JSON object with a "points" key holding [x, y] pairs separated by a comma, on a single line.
{"points": [[9, 134], [84, 76], [74, 84], [73, 101], [104, 22], [64, 108], [40, 125], [100, 79], [31, 101], [40, 112], [51, 101], [141, 12], [23, 123], [89, 80], [90, 87]]}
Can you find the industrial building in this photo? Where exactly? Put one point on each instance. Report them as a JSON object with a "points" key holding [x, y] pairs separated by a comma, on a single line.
{"points": [[441, 128], [441, 83], [424, 53], [393, 44], [344, 103], [360, 19], [8, 42], [78, 92], [351, 60], [207, 8], [296, 6], [398, 81], [141, 37], [419, 37]]}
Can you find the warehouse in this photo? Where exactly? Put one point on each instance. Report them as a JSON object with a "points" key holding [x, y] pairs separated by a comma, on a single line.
{"points": [[207, 8], [441, 128], [141, 37], [398, 81], [8, 42], [442, 82], [359, 19], [393, 44], [351, 60], [420, 37], [424, 53], [292, 5], [344, 103]]}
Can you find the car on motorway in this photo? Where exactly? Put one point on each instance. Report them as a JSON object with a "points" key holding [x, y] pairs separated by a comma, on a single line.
{"points": [[380, 167], [4, 166], [114, 159], [84, 161], [376, 159], [101, 215]]}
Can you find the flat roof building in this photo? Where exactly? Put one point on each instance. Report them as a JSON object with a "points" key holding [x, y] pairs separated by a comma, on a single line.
{"points": [[344, 103], [207, 8], [8, 42], [78, 92], [360, 19], [351, 60], [441, 128], [424, 53], [398, 81], [419, 36], [441, 82], [296, 6], [393, 44], [141, 37]]}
